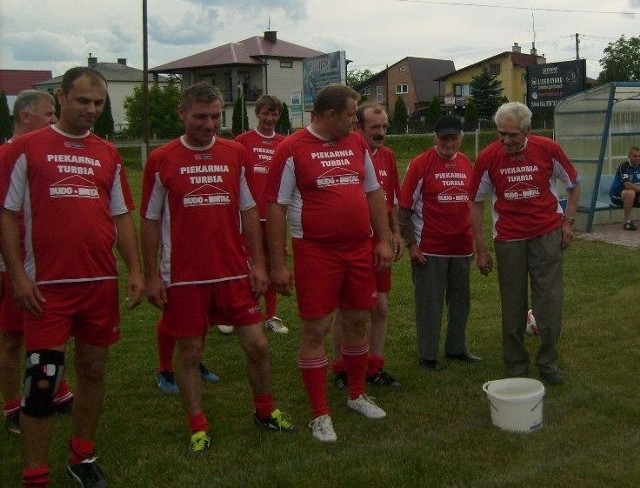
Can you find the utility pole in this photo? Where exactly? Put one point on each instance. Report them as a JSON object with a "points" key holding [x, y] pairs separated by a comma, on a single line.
{"points": [[145, 82], [577, 46]]}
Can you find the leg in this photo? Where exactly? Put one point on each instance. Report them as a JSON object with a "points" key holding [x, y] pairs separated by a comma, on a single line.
{"points": [[378, 329], [429, 283], [312, 360], [337, 365], [512, 279], [11, 370], [628, 199], [256, 349], [189, 358], [547, 294], [355, 348], [458, 305]]}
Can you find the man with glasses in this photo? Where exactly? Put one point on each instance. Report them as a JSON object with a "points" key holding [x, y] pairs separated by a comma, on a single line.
{"points": [[530, 233]]}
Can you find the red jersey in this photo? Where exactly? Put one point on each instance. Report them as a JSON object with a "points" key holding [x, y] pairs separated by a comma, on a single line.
{"points": [[69, 188], [384, 161], [525, 201], [260, 149], [198, 194], [324, 183], [436, 189]]}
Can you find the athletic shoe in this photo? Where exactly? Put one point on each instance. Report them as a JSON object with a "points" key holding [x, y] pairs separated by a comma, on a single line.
{"points": [[383, 379], [226, 329], [167, 383], [364, 405], [87, 474], [278, 420], [274, 324], [64, 407], [341, 381], [207, 375], [199, 444], [322, 429], [629, 225], [12, 423]]}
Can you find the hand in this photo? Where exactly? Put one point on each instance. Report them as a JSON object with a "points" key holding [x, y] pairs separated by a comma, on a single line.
{"points": [[382, 256], [27, 295], [282, 280], [135, 290], [156, 291], [567, 234], [259, 280], [484, 262], [415, 254], [397, 246]]}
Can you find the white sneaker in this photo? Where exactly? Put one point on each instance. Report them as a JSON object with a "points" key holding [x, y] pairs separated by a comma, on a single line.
{"points": [[274, 324], [226, 329], [364, 405], [322, 429]]}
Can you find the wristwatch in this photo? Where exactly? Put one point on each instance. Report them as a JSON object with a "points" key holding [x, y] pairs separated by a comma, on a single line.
{"points": [[571, 220]]}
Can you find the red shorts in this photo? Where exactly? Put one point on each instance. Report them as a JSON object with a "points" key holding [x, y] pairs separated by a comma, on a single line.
{"points": [[11, 317], [327, 279], [383, 281], [88, 311], [190, 309]]}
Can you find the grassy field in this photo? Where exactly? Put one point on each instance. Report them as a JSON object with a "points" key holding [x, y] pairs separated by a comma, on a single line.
{"points": [[438, 431]]}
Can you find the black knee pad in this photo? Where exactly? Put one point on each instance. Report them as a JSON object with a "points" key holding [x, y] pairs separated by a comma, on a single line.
{"points": [[44, 371]]}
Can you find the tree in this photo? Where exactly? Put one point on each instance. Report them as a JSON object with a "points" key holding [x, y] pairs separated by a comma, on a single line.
{"points": [[6, 126], [357, 76], [164, 121], [434, 110], [471, 115], [400, 117], [486, 91], [284, 122], [621, 60], [55, 101], [240, 118], [104, 125]]}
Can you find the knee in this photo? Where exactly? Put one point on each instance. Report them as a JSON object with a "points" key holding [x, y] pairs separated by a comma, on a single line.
{"points": [[190, 352], [11, 346], [43, 372]]}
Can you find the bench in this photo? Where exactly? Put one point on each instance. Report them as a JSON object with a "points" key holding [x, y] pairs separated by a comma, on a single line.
{"points": [[603, 201]]}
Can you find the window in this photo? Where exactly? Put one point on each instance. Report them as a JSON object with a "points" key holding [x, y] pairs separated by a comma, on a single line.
{"points": [[379, 94], [494, 69], [401, 88], [366, 91], [403, 68], [286, 63], [462, 89]]}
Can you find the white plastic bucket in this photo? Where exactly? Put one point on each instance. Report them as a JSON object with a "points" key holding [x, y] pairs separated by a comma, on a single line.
{"points": [[515, 403]]}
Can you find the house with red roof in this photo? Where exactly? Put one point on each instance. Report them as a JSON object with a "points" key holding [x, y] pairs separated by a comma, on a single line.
{"points": [[13, 81]]}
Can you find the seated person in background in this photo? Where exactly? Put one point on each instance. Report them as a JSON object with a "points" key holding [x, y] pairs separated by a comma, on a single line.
{"points": [[625, 189]]}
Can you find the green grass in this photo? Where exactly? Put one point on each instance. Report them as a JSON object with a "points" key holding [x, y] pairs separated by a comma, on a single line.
{"points": [[438, 431]]}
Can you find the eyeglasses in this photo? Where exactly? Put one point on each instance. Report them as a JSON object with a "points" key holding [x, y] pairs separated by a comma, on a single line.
{"points": [[509, 134]]}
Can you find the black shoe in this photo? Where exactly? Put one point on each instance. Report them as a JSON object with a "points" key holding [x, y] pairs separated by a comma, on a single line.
{"points": [[12, 423], [433, 365], [552, 379], [465, 357], [383, 379], [87, 474], [341, 381], [65, 407], [629, 225]]}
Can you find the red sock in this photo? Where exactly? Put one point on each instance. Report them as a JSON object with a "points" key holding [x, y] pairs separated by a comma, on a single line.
{"points": [[198, 422], [314, 376], [81, 449], [375, 364], [264, 405], [36, 477], [166, 345], [11, 406], [270, 297], [64, 392], [355, 359], [337, 366]]}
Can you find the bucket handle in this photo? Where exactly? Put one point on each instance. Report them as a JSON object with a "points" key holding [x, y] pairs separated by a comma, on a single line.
{"points": [[485, 387]]}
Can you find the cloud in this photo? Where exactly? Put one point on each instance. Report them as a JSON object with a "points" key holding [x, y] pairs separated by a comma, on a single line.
{"points": [[41, 45], [197, 26], [294, 9]]}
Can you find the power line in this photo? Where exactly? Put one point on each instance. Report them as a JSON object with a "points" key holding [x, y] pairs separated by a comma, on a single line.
{"points": [[487, 5]]}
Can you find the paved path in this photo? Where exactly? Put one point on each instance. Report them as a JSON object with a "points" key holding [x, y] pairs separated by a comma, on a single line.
{"points": [[613, 234]]}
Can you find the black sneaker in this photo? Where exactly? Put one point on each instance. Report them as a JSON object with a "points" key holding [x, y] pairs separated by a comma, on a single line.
{"points": [[629, 225], [383, 379], [278, 421], [341, 380], [87, 474]]}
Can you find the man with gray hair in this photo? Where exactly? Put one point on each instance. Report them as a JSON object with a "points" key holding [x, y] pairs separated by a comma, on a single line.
{"points": [[530, 232], [32, 110]]}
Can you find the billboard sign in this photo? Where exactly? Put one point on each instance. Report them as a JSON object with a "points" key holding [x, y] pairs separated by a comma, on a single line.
{"points": [[548, 83], [320, 71]]}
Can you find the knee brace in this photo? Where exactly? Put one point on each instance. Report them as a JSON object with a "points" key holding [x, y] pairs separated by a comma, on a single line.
{"points": [[44, 371]]}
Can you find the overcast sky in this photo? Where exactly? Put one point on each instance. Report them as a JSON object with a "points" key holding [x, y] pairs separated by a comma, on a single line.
{"points": [[56, 35]]}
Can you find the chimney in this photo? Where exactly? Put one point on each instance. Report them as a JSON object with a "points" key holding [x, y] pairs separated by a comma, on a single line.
{"points": [[271, 36], [516, 48], [122, 61], [91, 62]]}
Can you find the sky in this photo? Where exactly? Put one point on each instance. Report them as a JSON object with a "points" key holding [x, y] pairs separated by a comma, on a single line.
{"points": [[57, 35]]}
